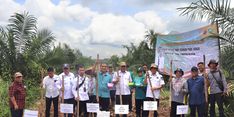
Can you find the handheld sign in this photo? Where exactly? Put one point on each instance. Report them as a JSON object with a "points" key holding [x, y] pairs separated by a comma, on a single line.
{"points": [[92, 107], [66, 108], [121, 109], [182, 109], [103, 114], [150, 105], [30, 113]]}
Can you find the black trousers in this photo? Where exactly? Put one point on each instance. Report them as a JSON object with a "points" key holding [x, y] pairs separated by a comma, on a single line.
{"points": [[173, 109], [126, 99], [155, 112], [139, 108], [83, 108], [16, 113], [48, 105], [197, 108], [104, 103], [218, 98], [70, 101], [112, 95]]}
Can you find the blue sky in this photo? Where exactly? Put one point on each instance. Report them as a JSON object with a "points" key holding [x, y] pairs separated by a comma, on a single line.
{"points": [[96, 25]]}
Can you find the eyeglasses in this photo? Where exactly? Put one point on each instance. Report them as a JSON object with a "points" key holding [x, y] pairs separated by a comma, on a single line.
{"points": [[18, 76], [123, 66]]}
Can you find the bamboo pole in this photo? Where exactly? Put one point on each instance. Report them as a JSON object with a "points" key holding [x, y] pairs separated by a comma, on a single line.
{"points": [[170, 81], [97, 78], [205, 80], [78, 99], [41, 95]]}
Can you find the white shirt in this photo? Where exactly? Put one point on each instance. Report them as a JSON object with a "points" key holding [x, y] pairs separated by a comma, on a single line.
{"points": [[156, 80], [67, 84], [83, 90], [50, 86], [122, 85]]}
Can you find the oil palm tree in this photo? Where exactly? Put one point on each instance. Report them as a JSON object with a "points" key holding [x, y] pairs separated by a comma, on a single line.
{"points": [[22, 44]]}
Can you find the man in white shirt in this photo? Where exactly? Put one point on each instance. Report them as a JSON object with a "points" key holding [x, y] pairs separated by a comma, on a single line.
{"points": [[52, 91], [82, 86], [121, 79], [67, 90], [157, 83]]}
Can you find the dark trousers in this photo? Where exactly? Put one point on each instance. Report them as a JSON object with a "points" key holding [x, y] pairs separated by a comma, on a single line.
{"points": [[83, 108], [92, 99], [173, 109], [70, 101], [126, 99], [112, 96], [139, 108], [104, 103], [155, 112], [16, 113], [197, 108], [48, 105], [218, 98]]}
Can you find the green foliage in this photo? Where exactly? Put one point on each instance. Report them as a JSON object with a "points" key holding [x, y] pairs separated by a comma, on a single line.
{"points": [[4, 110]]}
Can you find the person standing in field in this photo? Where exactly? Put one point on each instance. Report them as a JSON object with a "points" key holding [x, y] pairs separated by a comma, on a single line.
{"points": [[103, 92], [67, 89], [157, 83], [178, 91], [218, 88], [121, 79], [140, 90], [202, 72], [17, 94], [196, 93], [52, 91], [83, 88]]}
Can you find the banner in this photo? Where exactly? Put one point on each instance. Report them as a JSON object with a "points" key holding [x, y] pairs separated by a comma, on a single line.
{"points": [[187, 49]]}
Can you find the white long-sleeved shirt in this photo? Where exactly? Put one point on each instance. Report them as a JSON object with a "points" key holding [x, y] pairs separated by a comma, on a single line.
{"points": [[122, 85], [83, 90], [156, 80], [51, 87], [67, 85]]}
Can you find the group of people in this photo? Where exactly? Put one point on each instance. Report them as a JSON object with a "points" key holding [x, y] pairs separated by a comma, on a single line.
{"points": [[108, 88]]}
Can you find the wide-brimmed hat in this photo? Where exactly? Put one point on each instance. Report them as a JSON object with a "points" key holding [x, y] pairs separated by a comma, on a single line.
{"points": [[212, 61], [122, 64], [18, 74], [153, 65], [179, 70]]}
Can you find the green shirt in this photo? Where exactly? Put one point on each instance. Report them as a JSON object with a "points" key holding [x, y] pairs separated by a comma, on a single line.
{"points": [[140, 87], [103, 80]]}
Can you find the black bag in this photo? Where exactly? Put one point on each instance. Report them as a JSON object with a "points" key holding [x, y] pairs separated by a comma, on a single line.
{"points": [[219, 82]]}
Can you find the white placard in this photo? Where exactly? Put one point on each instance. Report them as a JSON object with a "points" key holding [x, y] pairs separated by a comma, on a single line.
{"points": [[30, 113], [92, 107], [103, 114], [66, 108], [182, 109], [121, 109], [150, 105]]}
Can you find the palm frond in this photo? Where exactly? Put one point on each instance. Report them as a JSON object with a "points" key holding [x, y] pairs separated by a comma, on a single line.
{"points": [[23, 27]]}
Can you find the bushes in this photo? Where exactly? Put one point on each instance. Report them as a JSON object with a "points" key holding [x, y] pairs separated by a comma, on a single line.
{"points": [[4, 107], [33, 95]]}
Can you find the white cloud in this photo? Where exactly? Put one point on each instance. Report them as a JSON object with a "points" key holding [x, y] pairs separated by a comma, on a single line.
{"points": [[98, 32], [151, 20]]}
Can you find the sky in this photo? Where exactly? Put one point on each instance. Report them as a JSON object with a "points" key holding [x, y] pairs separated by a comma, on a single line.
{"points": [[102, 26]]}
